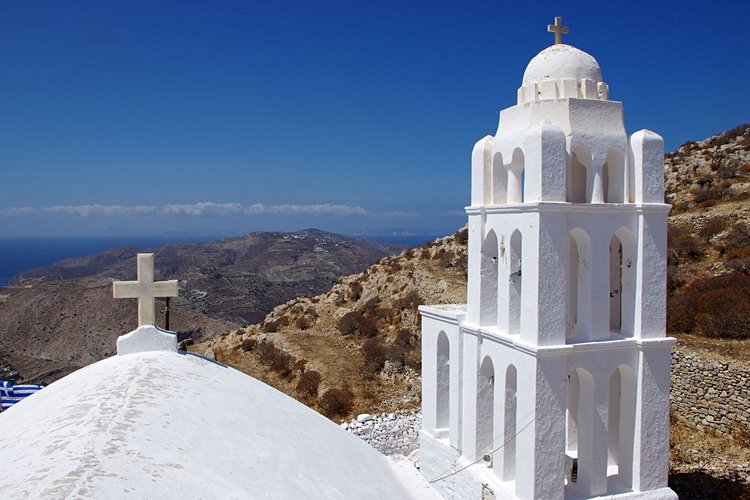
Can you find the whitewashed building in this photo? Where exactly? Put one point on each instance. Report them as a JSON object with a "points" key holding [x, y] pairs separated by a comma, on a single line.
{"points": [[553, 380]]}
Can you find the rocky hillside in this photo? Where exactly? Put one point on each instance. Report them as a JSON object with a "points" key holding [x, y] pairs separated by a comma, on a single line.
{"points": [[237, 279], [357, 346], [708, 183], [59, 318]]}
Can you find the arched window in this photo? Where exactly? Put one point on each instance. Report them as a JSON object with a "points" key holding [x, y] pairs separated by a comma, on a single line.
{"points": [[516, 177], [577, 177], [621, 430], [613, 173], [488, 281], [485, 408], [579, 431], [579, 286], [442, 386], [615, 285], [509, 432], [622, 275], [499, 180], [515, 282]]}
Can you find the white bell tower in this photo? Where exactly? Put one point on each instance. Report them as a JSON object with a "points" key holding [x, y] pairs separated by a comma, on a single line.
{"points": [[553, 380]]}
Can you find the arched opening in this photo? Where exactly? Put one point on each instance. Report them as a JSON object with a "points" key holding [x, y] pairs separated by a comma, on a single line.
{"points": [[515, 282], [615, 285], [579, 428], [442, 384], [614, 177], [605, 182], [579, 286], [577, 176], [623, 272], [488, 281], [516, 177], [499, 180], [485, 408], [621, 430], [509, 432]]}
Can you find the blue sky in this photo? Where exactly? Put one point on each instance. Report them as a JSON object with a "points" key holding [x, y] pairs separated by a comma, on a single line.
{"points": [[148, 117]]}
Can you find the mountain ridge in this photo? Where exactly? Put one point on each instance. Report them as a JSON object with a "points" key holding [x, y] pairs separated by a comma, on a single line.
{"points": [[223, 285]]}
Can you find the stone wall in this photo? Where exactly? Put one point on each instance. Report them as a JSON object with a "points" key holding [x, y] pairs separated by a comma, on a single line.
{"points": [[710, 394]]}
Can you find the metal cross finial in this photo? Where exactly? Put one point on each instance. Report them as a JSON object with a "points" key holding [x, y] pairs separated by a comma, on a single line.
{"points": [[558, 29], [145, 289]]}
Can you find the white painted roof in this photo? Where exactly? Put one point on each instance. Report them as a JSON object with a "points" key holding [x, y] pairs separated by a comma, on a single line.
{"points": [[172, 425], [561, 62]]}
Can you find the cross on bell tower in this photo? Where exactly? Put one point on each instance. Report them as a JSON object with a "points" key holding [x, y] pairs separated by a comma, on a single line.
{"points": [[558, 29]]}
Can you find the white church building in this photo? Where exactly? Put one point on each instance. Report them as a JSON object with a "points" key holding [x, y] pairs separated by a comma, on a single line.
{"points": [[553, 380]]}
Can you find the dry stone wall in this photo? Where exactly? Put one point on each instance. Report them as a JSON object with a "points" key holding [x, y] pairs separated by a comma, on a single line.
{"points": [[710, 394]]}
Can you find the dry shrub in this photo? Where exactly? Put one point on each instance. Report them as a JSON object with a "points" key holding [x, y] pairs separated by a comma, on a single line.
{"points": [[280, 361], [305, 322], [684, 244], [462, 237], [740, 265], [409, 253], [712, 227], [355, 291], [737, 237], [706, 195], [708, 203], [462, 264], [446, 259], [741, 434], [413, 359], [411, 300], [336, 402], [308, 384], [717, 306], [729, 168], [248, 344], [375, 354], [425, 253], [400, 346], [355, 322], [275, 325]]}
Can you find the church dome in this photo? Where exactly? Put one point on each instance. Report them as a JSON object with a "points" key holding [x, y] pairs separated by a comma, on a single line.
{"points": [[170, 425], [562, 71], [560, 62]]}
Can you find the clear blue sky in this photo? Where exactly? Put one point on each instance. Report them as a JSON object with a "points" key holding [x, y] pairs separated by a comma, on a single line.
{"points": [[235, 116]]}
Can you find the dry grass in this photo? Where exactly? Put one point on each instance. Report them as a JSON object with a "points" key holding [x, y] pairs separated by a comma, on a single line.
{"points": [[706, 465]]}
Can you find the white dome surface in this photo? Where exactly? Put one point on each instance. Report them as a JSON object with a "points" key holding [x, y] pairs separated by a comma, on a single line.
{"points": [[166, 425], [560, 62]]}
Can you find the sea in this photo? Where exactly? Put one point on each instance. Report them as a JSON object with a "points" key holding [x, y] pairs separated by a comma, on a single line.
{"points": [[21, 254]]}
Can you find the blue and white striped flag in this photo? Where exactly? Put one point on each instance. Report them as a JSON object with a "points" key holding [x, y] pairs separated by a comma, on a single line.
{"points": [[11, 394]]}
